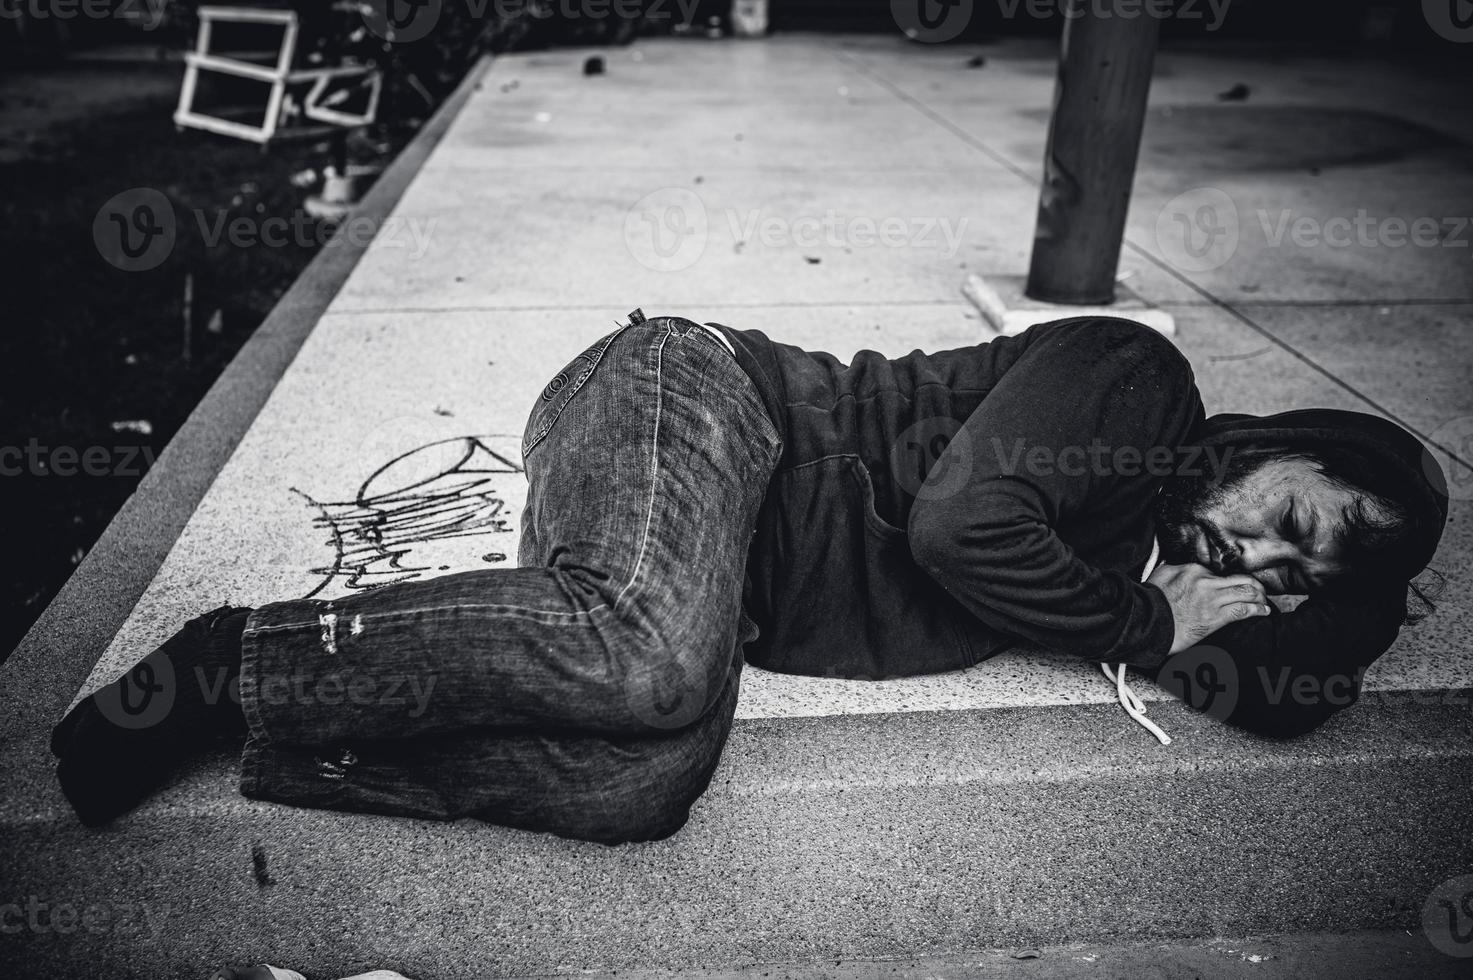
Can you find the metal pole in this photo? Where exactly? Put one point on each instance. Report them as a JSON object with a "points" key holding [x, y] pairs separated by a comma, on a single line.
{"points": [[1093, 139]]}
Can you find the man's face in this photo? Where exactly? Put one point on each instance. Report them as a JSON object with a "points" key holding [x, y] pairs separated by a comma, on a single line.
{"points": [[1279, 522]]}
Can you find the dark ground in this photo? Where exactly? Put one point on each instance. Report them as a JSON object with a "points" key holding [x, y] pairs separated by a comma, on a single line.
{"points": [[95, 356]]}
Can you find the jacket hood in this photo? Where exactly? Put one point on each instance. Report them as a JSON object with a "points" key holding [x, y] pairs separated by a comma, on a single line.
{"points": [[1416, 474]]}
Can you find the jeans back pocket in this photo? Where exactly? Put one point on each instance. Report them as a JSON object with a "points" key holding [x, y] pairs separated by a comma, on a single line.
{"points": [[560, 390]]}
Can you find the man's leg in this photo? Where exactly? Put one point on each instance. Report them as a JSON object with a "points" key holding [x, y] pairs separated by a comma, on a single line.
{"points": [[647, 457], [609, 789]]}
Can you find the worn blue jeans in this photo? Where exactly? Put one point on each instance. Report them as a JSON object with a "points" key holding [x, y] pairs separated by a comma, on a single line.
{"points": [[587, 692]]}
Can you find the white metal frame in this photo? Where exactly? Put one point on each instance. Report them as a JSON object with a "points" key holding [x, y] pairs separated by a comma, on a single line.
{"points": [[279, 76]]}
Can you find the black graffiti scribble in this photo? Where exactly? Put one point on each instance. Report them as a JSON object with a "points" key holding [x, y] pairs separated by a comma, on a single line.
{"points": [[441, 490]]}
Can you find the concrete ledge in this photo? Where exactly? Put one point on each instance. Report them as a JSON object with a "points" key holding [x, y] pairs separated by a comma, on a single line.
{"points": [[1362, 955], [838, 837], [1002, 303]]}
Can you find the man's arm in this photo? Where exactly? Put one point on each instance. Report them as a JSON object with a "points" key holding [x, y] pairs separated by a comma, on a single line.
{"points": [[993, 543]]}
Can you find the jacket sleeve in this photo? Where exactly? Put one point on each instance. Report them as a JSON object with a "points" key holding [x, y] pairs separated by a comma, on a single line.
{"points": [[1288, 672], [991, 540]]}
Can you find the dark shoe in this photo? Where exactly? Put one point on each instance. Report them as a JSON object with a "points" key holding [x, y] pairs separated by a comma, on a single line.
{"points": [[119, 744]]}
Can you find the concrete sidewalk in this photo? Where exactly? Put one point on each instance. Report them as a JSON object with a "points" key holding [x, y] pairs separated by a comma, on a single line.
{"points": [[834, 193]]}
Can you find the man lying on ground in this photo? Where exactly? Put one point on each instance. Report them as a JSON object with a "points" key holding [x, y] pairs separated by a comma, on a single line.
{"points": [[701, 496]]}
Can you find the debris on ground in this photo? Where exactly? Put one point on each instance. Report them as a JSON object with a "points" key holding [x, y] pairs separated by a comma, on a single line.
{"points": [[593, 65], [1238, 93]]}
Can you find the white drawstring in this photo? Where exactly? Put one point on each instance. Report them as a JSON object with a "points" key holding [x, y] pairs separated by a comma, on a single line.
{"points": [[1133, 705], [1128, 700]]}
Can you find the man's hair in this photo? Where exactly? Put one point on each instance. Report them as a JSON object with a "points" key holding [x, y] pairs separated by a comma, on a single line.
{"points": [[1378, 528]]}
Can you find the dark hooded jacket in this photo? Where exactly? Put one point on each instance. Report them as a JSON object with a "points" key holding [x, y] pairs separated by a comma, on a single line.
{"points": [[932, 510]]}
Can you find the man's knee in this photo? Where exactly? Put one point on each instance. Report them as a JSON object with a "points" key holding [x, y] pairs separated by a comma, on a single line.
{"points": [[668, 691], [671, 675], [650, 792]]}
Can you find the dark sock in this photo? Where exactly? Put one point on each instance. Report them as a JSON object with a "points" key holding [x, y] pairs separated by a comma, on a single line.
{"points": [[118, 745]]}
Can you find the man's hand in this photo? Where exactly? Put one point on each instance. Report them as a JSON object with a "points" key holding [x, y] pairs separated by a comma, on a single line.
{"points": [[1202, 603]]}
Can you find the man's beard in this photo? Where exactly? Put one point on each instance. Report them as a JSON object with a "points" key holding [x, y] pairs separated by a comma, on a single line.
{"points": [[1180, 511]]}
